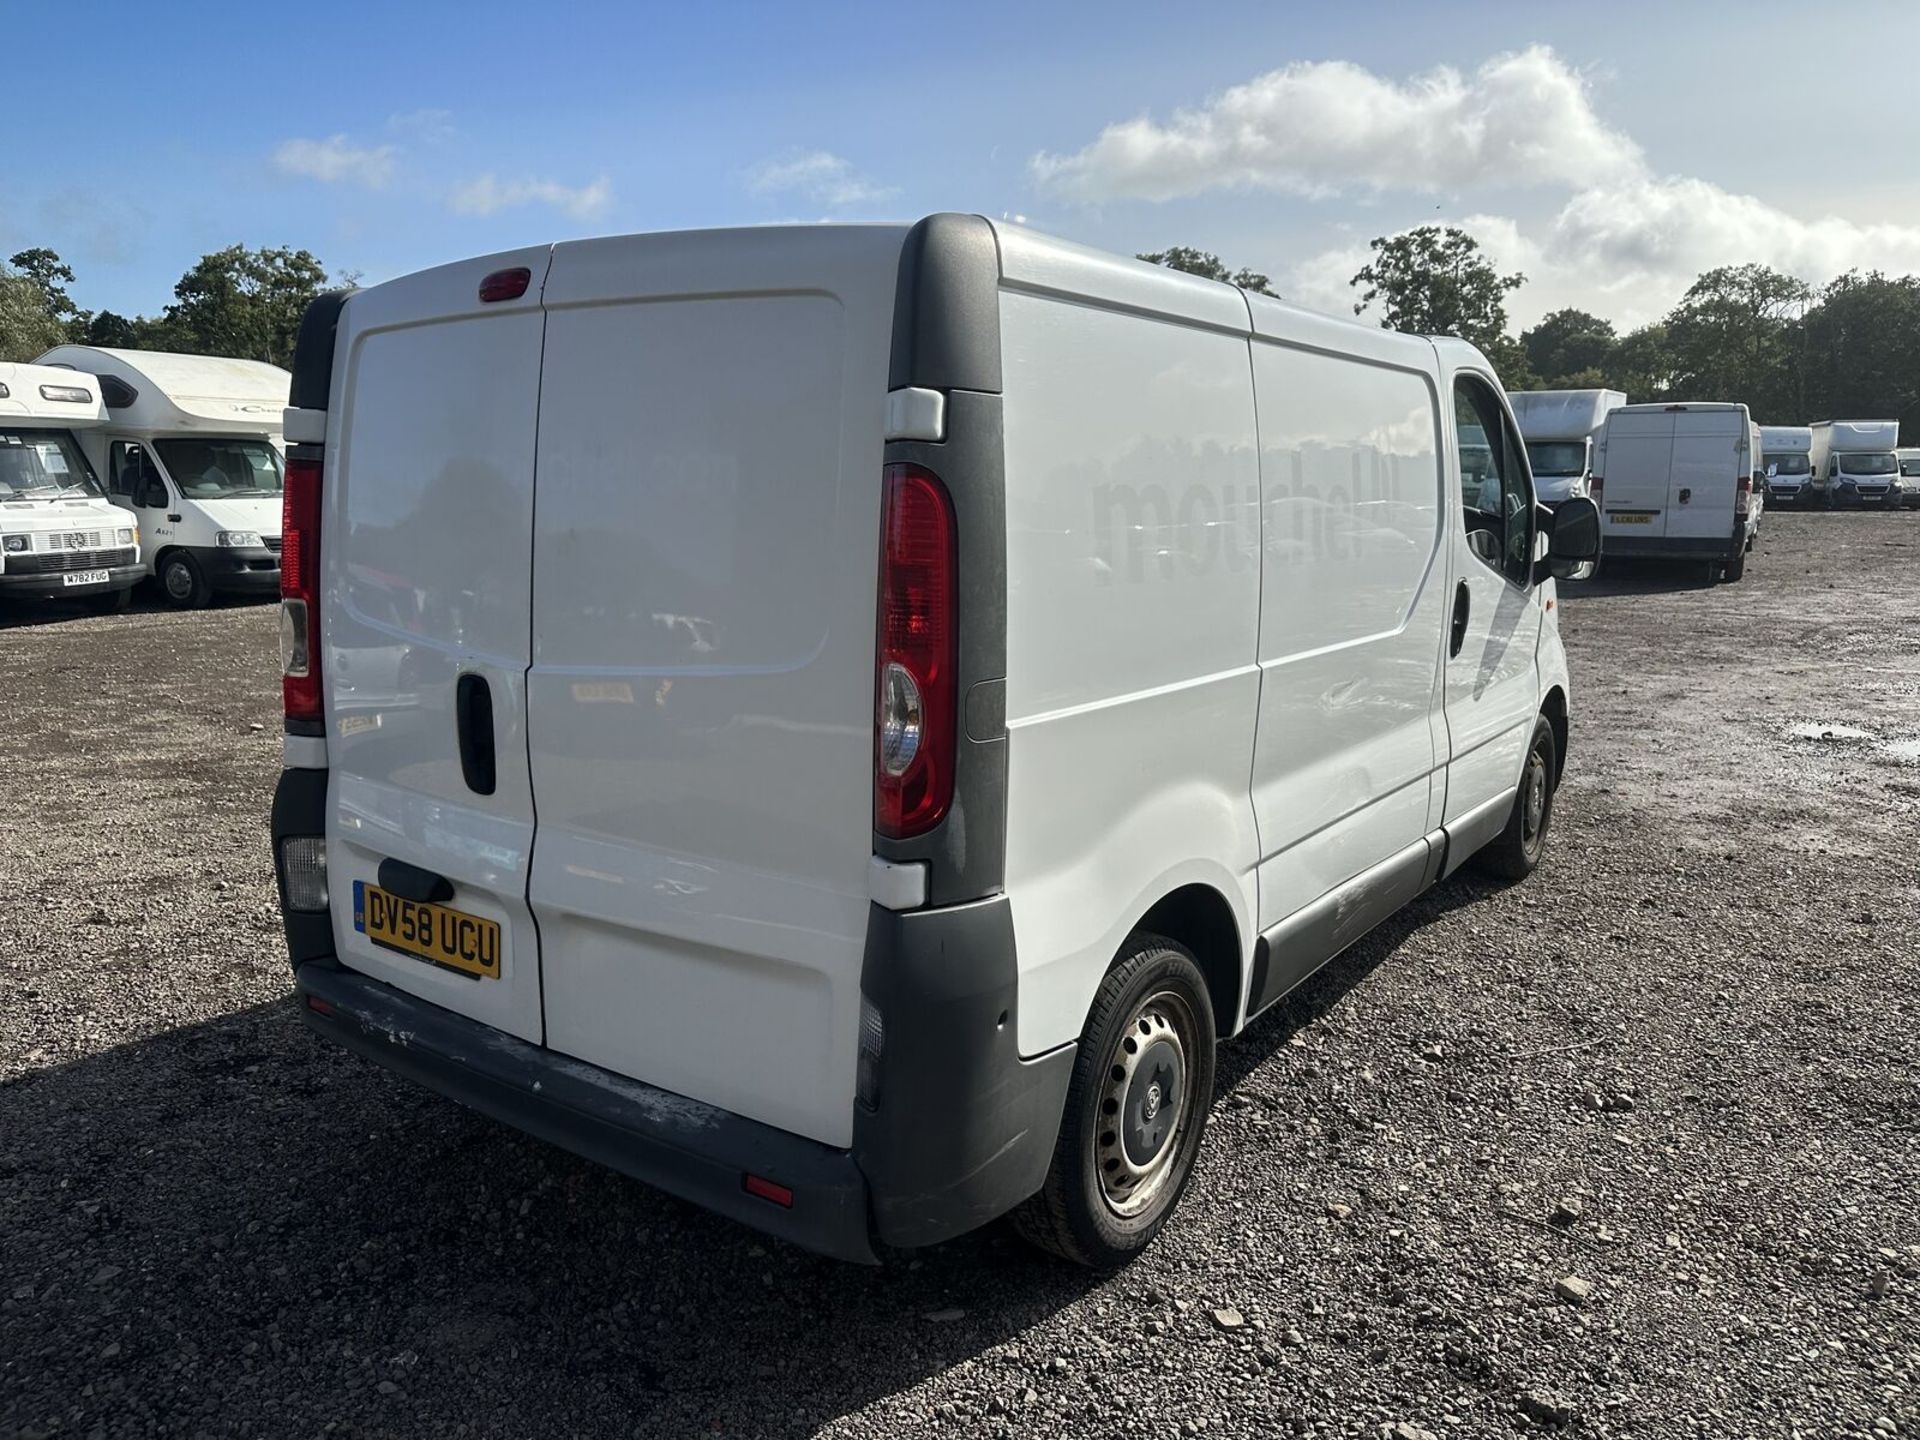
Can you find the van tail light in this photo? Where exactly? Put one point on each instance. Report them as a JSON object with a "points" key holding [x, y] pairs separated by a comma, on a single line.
{"points": [[300, 589], [1746, 484], [916, 680], [1594, 487]]}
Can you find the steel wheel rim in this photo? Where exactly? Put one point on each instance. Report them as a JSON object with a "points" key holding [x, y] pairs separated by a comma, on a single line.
{"points": [[1146, 1105], [178, 582], [1535, 811]]}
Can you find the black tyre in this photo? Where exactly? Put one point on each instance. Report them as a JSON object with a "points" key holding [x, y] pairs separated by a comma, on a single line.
{"points": [[110, 602], [1136, 1110], [183, 582], [1515, 853], [1735, 568]]}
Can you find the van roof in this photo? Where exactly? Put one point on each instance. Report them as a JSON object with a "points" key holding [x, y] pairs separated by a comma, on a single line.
{"points": [[1655, 407], [160, 391], [1562, 414], [24, 401]]}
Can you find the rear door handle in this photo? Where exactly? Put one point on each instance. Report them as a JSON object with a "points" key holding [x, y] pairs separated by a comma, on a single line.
{"points": [[473, 716], [1462, 606]]}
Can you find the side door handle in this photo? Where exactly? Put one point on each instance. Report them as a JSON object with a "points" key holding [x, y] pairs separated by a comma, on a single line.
{"points": [[1462, 607], [473, 715]]}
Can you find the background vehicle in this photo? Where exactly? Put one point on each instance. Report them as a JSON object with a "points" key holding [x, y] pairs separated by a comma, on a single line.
{"points": [[1561, 428], [192, 449], [1677, 483], [933, 748], [1786, 460], [1909, 477], [59, 538], [1854, 463]]}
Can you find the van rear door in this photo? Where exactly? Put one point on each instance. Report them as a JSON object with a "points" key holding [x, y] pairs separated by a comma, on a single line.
{"points": [[1709, 456], [428, 501], [1639, 463], [706, 540]]}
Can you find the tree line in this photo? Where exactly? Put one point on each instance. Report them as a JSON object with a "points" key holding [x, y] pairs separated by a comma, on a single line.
{"points": [[1791, 352], [241, 303]]}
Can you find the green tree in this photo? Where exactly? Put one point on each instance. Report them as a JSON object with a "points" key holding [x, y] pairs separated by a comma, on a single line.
{"points": [[28, 325], [1735, 336], [115, 332], [1643, 364], [241, 303], [1569, 348], [52, 274], [1434, 280], [1209, 266], [1861, 351]]}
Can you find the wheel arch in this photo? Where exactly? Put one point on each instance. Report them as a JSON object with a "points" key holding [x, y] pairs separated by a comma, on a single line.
{"points": [[1199, 916], [1554, 707]]}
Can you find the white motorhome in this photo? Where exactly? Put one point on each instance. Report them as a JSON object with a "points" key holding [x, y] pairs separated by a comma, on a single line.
{"points": [[192, 449], [1909, 477], [1681, 482], [1561, 428], [1854, 461], [836, 721], [59, 538], [1786, 459]]}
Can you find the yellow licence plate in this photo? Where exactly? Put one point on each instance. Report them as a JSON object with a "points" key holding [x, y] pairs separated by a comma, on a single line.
{"points": [[1620, 518], [436, 933]]}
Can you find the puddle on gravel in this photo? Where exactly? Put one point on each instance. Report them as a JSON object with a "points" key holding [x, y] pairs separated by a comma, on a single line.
{"points": [[1830, 731], [1904, 750]]}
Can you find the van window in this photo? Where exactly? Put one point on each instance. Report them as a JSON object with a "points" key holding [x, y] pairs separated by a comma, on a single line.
{"points": [[1858, 463], [42, 465], [1794, 462], [216, 469], [1557, 457], [1351, 483], [1495, 490]]}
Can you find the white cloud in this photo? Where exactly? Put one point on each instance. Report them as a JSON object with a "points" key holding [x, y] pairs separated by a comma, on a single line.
{"points": [[429, 127], [1320, 127], [486, 194], [336, 160], [823, 178]]}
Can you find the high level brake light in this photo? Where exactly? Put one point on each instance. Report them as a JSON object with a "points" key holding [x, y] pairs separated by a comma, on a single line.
{"points": [[916, 724], [300, 590]]}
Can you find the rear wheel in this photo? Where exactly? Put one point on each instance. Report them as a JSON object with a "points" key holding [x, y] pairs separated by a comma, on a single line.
{"points": [[1136, 1109], [1516, 852], [183, 582], [1736, 567]]}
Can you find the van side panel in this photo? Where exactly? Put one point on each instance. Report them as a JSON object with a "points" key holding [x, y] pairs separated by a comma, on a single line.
{"points": [[706, 540], [429, 496], [1352, 608], [1133, 602]]}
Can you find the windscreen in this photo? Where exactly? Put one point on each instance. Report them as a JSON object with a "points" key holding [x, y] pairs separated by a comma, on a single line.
{"points": [[1794, 462], [221, 468], [1910, 467], [43, 465], [1557, 457], [1863, 463]]}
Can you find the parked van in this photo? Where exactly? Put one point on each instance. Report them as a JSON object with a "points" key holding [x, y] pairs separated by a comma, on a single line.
{"points": [[837, 721], [59, 538], [1909, 477], [1854, 461], [1786, 459], [1561, 428], [192, 449], [1681, 482]]}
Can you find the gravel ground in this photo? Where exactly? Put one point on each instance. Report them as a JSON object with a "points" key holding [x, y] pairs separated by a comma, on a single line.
{"points": [[1632, 1148]]}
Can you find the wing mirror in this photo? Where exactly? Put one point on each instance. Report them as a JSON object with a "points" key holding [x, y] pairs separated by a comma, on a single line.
{"points": [[1573, 537]]}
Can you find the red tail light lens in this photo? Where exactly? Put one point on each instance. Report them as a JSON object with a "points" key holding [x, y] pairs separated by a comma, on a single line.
{"points": [[915, 727], [300, 590], [1746, 484], [505, 284], [1594, 487]]}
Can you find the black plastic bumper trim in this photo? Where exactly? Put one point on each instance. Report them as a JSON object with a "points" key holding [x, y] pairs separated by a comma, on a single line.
{"points": [[687, 1148]]}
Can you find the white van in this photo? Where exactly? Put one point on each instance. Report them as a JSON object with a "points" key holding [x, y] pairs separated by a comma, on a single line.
{"points": [[1561, 428], [1854, 461], [192, 448], [835, 721], [1909, 477], [1681, 482], [1786, 459], [59, 538]]}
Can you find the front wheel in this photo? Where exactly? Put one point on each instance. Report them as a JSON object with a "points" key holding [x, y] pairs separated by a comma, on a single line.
{"points": [[1515, 853], [1136, 1109], [183, 582]]}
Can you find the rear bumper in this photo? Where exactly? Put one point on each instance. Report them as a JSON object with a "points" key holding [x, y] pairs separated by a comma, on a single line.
{"points": [[1657, 547], [54, 587], [961, 1130]]}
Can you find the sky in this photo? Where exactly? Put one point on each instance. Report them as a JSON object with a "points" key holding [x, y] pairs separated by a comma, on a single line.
{"points": [[1608, 152]]}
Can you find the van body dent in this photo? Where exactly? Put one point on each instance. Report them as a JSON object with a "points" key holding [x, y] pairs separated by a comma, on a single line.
{"points": [[59, 538], [1682, 482], [835, 721], [1561, 428], [1786, 459], [1854, 462], [192, 450]]}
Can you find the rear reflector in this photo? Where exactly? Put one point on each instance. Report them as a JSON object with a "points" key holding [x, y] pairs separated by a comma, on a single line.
{"points": [[505, 284], [319, 1006], [764, 1188]]}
